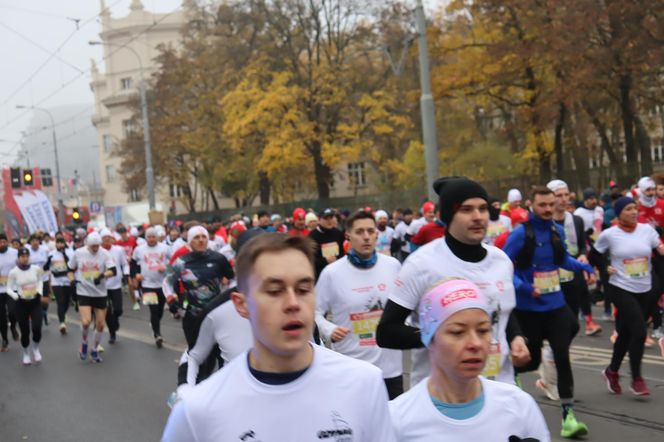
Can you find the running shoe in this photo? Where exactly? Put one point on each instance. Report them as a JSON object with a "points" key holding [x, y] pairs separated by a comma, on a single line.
{"points": [[159, 341], [112, 339], [639, 387], [592, 329], [649, 343], [571, 427], [63, 328], [661, 346], [100, 349], [550, 391], [5, 346], [83, 353], [136, 306], [612, 380], [27, 360], [36, 354], [657, 334], [517, 381], [95, 357]]}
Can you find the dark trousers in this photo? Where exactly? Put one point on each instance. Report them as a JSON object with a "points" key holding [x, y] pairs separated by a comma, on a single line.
{"points": [[633, 311], [114, 310], [157, 311], [46, 292], [559, 328], [577, 295], [63, 299], [27, 312], [394, 386], [3, 315]]}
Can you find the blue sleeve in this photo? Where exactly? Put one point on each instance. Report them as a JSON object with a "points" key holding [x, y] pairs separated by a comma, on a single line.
{"points": [[515, 242], [513, 246]]}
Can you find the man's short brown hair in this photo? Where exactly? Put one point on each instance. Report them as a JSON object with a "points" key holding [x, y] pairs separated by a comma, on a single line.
{"points": [[540, 190], [267, 243], [658, 178], [358, 215]]}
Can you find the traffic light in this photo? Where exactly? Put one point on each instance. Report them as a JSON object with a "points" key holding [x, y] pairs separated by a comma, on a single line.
{"points": [[46, 177], [27, 178], [76, 216], [15, 174]]}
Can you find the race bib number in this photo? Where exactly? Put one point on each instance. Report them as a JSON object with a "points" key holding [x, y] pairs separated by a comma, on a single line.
{"points": [[547, 282], [59, 266], [150, 298], [565, 275], [636, 268], [329, 249], [28, 291], [572, 249], [364, 326], [495, 230], [90, 275], [492, 367]]}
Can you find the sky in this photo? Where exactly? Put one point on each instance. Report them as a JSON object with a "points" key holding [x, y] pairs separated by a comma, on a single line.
{"points": [[46, 57]]}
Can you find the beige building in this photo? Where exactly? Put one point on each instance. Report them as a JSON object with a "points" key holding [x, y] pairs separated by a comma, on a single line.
{"points": [[125, 40]]}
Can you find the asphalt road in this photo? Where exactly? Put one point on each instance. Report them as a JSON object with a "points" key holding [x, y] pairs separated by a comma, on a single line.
{"points": [[124, 398]]}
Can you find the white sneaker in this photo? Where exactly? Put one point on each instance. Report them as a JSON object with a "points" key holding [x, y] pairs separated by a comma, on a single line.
{"points": [[27, 360], [36, 354], [657, 333]]}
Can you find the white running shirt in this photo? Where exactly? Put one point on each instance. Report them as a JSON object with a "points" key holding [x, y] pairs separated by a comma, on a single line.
{"points": [[630, 256], [151, 259], [355, 299], [508, 411], [8, 261], [337, 399], [89, 266], [435, 261]]}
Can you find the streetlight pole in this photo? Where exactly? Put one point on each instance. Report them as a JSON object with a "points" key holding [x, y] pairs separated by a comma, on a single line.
{"points": [[149, 171], [426, 105], [61, 206]]}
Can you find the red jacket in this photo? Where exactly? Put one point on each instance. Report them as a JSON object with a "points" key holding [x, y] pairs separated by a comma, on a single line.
{"points": [[428, 233], [652, 215]]}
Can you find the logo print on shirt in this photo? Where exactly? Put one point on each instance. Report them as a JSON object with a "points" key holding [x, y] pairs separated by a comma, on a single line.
{"points": [[249, 436], [382, 287], [342, 431], [500, 285]]}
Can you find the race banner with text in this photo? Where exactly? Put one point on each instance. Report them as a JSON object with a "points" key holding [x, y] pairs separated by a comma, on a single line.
{"points": [[36, 210]]}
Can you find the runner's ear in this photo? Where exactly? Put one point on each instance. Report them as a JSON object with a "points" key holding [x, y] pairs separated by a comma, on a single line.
{"points": [[240, 303]]}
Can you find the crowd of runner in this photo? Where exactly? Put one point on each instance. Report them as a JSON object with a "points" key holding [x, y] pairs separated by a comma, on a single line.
{"points": [[478, 288]]}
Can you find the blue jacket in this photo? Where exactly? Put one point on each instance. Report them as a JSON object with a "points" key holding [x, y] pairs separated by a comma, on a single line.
{"points": [[543, 261]]}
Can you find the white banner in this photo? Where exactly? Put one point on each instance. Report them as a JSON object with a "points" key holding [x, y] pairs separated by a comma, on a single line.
{"points": [[36, 210]]}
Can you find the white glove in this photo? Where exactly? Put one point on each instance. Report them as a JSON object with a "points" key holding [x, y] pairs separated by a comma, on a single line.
{"points": [[14, 296]]}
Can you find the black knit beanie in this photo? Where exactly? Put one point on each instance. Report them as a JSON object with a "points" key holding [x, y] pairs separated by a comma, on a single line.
{"points": [[453, 191]]}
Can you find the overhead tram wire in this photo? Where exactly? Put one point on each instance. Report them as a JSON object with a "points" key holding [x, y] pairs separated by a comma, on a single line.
{"points": [[87, 71], [53, 54]]}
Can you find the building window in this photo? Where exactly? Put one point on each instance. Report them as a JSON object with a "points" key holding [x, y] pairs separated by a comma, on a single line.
{"points": [[46, 178], [108, 143], [128, 128], [110, 174], [356, 174], [126, 83], [656, 151], [134, 195], [175, 191]]}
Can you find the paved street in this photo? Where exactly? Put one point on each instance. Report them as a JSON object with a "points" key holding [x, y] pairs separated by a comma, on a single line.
{"points": [[124, 398]]}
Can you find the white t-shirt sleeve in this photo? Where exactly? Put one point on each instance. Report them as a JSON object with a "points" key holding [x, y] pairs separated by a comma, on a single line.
{"points": [[72, 262], [602, 243], [178, 428], [204, 343], [408, 286], [323, 295], [536, 425], [109, 263], [653, 237]]}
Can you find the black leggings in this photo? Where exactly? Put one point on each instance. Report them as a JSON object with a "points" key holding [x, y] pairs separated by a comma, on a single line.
{"points": [[114, 310], [156, 311], [27, 311], [62, 298], [46, 292], [559, 328], [3, 315], [577, 295], [633, 311]]}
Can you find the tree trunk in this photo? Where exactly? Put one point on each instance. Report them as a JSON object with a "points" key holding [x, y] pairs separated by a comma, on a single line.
{"points": [[558, 140], [322, 171], [580, 149], [213, 197], [615, 161], [643, 141], [627, 114], [264, 188]]}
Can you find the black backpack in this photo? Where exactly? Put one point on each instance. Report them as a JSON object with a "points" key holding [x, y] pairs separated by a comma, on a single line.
{"points": [[525, 258]]}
